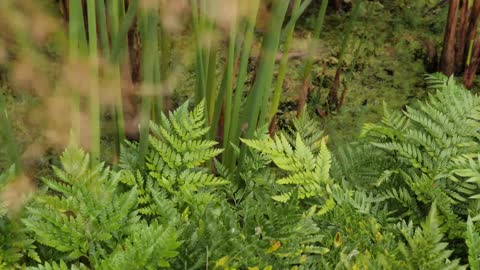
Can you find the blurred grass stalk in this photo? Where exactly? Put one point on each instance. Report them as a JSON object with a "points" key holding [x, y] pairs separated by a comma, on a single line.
{"points": [[108, 26], [307, 70], [256, 106], [75, 36], [242, 111], [150, 70], [94, 98], [13, 156]]}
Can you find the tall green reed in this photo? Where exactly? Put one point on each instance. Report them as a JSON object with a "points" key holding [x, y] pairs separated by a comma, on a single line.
{"points": [[107, 28], [6, 132], [150, 71], [242, 107], [235, 107], [94, 98], [77, 39]]}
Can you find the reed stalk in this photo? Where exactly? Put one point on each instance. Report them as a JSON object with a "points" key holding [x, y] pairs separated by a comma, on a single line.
{"points": [[307, 70], [13, 155], [234, 117], [229, 89], [277, 93], [256, 102], [94, 99], [149, 32], [74, 37]]}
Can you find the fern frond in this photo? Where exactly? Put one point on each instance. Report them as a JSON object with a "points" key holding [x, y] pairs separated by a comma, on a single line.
{"points": [[425, 248], [438, 80], [309, 172], [58, 266], [473, 242], [82, 207], [149, 246]]}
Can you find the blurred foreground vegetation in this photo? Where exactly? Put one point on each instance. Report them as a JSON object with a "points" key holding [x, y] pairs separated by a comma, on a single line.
{"points": [[226, 134]]}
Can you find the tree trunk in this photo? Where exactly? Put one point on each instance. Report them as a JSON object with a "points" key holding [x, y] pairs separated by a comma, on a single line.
{"points": [[461, 36], [448, 54]]}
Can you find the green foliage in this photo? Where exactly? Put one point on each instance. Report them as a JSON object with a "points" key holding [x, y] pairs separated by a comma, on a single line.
{"points": [[473, 242], [15, 245], [83, 214], [309, 172], [399, 198], [424, 249], [147, 247], [179, 150], [58, 266], [434, 146], [86, 213]]}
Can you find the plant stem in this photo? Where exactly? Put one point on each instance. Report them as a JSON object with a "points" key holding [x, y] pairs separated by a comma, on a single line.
{"points": [[94, 96], [149, 50], [307, 70], [240, 84], [283, 63], [229, 90], [12, 151]]}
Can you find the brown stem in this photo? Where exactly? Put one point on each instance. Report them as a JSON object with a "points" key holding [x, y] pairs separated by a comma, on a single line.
{"points": [[333, 96], [302, 98], [448, 53], [272, 128], [321, 112], [342, 97]]}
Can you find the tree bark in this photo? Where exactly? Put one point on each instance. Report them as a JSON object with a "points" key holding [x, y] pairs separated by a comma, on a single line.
{"points": [[431, 56], [448, 53], [461, 36]]}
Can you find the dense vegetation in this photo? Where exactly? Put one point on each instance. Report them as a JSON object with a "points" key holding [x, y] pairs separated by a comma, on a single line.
{"points": [[217, 176], [405, 196]]}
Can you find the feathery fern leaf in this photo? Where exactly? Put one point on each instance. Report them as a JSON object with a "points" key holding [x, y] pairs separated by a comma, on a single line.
{"points": [[58, 266], [179, 150], [147, 247], [425, 249], [309, 172], [473, 242], [82, 213]]}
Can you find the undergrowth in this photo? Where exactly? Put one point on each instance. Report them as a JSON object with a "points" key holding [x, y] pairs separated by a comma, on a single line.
{"points": [[403, 196]]}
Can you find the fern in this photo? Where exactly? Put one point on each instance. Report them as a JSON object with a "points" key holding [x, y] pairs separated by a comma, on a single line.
{"points": [[435, 144], [15, 244], [309, 130], [473, 242], [82, 214], [58, 266], [388, 201], [309, 172], [438, 80], [425, 249], [147, 247], [179, 150]]}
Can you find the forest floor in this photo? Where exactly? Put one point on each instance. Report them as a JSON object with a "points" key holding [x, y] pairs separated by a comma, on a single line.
{"points": [[388, 68]]}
